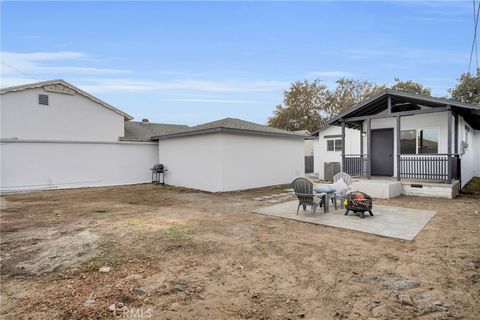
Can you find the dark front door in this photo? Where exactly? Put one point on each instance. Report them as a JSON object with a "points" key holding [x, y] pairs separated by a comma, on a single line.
{"points": [[382, 152]]}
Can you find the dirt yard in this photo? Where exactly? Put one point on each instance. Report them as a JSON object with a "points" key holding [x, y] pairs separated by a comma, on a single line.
{"points": [[169, 253]]}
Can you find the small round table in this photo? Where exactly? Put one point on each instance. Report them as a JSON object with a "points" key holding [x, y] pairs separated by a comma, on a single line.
{"points": [[327, 193]]}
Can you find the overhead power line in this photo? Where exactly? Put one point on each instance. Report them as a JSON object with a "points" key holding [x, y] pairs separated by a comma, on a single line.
{"points": [[18, 70], [476, 13]]}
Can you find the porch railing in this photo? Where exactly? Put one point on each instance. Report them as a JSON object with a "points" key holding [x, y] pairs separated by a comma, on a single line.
{"points": [[442, 167], [356, 164], [415, 166]]}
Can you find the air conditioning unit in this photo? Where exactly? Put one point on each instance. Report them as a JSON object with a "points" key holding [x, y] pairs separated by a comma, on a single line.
{"points": [[330, 169]]}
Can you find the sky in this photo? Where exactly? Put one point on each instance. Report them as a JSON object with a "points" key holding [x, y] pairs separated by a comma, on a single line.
{"points": [[194, 62]]}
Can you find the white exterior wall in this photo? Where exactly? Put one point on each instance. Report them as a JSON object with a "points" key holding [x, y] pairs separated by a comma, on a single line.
{"points": [[352, 146], [477, 152], [309, 148], [67, 117], [193, 162], [471, 155], [226, 162], [259, 161], [31, 166]]}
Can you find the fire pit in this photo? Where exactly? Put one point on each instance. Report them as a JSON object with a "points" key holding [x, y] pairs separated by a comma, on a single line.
{"points": [[358, 202]]}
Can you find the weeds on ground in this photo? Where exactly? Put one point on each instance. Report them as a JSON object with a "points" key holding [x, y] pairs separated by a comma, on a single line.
{"points": [[107, 260], [472, 188]]}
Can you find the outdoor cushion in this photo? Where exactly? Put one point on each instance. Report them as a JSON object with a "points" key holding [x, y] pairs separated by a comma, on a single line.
{"points": [[324, 189], [339, 186]]}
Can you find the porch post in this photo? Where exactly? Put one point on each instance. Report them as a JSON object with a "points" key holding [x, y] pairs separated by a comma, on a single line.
{"points": [[369, 147], [449, 145], [361, 139], [389, 105], [455, 143], [398, 147], [343, 146]]}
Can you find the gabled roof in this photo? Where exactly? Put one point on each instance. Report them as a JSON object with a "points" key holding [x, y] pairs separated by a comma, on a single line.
{"points": [[144, 131], [231, 125], [316, 133], [68, 85], [378, 102]]}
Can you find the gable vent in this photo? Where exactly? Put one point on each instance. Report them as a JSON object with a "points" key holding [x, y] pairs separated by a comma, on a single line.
{"points": [[43, 99]]}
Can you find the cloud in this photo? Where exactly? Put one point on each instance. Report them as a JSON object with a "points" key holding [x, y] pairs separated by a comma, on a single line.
{"points": [[40, 63], [330, 74], [212, 100], [113, 85]]}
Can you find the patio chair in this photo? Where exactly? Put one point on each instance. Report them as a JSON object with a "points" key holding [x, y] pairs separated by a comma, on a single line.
{"points": [[339, 195], [304, 192]]}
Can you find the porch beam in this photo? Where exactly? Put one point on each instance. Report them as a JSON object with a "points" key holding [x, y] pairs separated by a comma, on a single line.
{"points": [[343, 146], [398, 147], [449, 145], [394, 114], [369, 148]]}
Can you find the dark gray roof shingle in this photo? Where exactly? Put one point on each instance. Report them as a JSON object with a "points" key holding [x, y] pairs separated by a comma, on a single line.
{"points": [[144, 131], [230, 125]]}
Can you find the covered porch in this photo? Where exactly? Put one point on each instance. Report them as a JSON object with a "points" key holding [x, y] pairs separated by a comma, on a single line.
{"points": [[408, 138]]}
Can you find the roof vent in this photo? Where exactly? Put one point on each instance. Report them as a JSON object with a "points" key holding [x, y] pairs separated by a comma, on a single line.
{"points": [[145, 120]]}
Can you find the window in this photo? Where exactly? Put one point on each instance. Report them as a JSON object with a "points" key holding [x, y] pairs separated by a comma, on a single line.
{"points": [[408, 142], [330, 145], [421, 141], [43, 99], [338, 145], [334, 145], [428, 141]]}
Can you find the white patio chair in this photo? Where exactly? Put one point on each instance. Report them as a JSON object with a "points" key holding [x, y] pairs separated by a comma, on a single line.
{"points": [[348, 180]]}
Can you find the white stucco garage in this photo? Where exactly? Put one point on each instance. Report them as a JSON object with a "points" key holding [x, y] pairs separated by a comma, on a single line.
{"points": [[231, 154]]}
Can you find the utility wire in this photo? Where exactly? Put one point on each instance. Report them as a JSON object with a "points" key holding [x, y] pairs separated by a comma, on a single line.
{"points": [[18, 70], [474, 42]]}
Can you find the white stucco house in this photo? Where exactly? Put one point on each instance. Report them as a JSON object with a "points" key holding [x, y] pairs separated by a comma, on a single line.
{"points": [[54, 135], [418, 145], [327, 146]]}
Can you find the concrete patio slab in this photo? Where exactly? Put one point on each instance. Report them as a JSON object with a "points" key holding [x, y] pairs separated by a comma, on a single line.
{"points": [[393, 222]]}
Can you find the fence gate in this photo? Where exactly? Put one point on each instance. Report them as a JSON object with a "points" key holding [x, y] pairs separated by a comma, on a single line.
{"points": [[308, 164]]}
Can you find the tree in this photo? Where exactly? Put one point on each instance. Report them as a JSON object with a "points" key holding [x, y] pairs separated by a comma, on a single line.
{"points": [[347, 93], [303, 102], [308, 106], [411, 87], [467, 89]]}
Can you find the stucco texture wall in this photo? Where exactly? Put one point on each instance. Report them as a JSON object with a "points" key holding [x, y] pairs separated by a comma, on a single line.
{"points": [[256, 161], [67, 117], [31, 166], [226, 162]]}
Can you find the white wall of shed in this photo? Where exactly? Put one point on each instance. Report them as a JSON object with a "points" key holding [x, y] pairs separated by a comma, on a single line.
{"points": [[227, 162], [258, 161], [32, 166], [193, 162], [66, 117]]}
